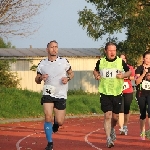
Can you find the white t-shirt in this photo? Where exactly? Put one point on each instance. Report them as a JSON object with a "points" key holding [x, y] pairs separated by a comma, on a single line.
{"points": [[53, 86]]}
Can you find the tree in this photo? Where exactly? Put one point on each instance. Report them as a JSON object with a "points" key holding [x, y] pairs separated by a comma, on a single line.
{"points": [[7, 78], [111, 16], [3, 44], [16, 16]]}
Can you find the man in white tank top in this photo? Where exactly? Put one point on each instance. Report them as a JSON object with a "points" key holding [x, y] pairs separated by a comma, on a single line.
{"points": [[55, 72]]}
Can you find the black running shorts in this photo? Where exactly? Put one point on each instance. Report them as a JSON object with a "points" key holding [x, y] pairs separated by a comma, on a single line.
{"points": [[111, 103], [59, 103]]}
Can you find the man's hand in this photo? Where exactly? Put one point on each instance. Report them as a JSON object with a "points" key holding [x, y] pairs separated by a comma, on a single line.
{"points": [[44, 77], [96, 74], [64, 80], [40, 77], [97, 77], [120, 76]]}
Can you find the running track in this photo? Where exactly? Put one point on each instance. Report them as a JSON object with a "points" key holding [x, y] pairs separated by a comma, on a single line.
{"points": [[76, 134]]}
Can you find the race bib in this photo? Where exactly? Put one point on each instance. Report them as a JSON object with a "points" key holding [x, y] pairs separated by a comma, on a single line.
{"points": [[109, 73], [125, 85], [48, 90], [146, 85]]}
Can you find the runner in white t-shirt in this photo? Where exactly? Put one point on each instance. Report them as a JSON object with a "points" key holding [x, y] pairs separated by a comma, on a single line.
{"points": [[55, 71]]}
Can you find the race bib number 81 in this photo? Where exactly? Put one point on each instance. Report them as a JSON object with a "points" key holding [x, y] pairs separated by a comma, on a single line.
{"points": [[146, 85], [109, 73]]}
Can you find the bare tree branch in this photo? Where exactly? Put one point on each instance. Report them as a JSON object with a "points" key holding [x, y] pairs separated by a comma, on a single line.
{"points": [[16, 16]]}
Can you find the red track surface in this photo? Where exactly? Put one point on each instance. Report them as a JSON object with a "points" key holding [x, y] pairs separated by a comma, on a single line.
{"points": [[76, 134]]}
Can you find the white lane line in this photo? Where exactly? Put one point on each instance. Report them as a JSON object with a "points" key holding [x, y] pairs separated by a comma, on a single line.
{"points": [[86, 139], [17, 144], [92, 145]]}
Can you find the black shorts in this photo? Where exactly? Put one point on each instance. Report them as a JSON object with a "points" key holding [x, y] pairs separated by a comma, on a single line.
{"points": [[126, 102], [59, 103], [111, 103]]}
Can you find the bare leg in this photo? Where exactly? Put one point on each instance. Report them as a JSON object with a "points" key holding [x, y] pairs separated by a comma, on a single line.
{"points": [[126, 119], [121, 120], [149, 123], [142, 128], [60, 116], [113, 124], [142, 125], [48, 110], [114, 120], [107, 123]]}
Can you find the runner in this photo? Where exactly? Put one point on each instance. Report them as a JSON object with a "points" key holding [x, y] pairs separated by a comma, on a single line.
{"points": [[111, 70], [126, 100], [142, 76], [53, 71]]}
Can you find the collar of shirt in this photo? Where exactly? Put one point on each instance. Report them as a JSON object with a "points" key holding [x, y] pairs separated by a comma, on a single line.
{"points": [[111, 60]]}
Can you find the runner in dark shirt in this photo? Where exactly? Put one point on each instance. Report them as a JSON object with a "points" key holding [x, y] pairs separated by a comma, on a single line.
{"points": [[142, 77]]}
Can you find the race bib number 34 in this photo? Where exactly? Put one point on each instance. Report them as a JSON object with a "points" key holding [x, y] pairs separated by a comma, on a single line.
{"points": [[48, 90], [109, 73], [146, 85]]}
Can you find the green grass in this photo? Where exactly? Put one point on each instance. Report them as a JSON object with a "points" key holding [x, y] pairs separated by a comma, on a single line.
{"points": [[83, 104], [15, 103], [148, 134]]}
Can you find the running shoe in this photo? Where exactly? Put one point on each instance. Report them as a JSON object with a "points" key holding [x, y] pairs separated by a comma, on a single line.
{"points": [[113, 134], [142, 135], [109, 143], [49, 146], [123, 131], [55, 126]]}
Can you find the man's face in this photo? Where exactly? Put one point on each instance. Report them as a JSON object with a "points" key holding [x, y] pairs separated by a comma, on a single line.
{"points": [[123, 58], [52, 49], [111, 52]]}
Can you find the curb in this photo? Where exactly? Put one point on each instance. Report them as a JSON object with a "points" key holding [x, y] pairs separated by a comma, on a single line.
{"points": [[5, 121]]}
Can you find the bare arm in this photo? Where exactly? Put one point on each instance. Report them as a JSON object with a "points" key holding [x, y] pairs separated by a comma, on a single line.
{"points": [[131, 77], [139, 78], [127, 70], [38, 79], [69, 77], [123, 75], [70, 74], [127, 74], [132, 73], [96, 74]]}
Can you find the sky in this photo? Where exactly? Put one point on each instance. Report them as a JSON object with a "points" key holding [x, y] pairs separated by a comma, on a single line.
{"points": [[59, 22]]}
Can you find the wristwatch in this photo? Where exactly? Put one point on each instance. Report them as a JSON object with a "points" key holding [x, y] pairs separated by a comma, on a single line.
{"points": [[68, 78]]}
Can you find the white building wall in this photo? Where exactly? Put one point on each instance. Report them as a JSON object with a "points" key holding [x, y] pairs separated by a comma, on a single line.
{"points": [[83, 79]]}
